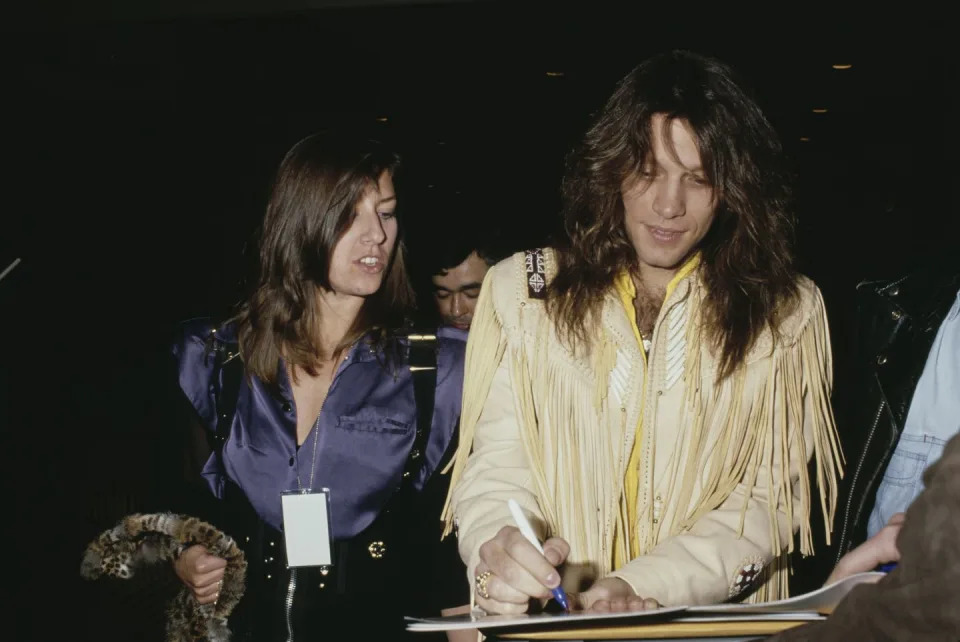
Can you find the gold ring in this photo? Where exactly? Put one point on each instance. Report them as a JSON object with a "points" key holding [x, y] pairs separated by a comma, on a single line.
{"points": [[481, 582]]}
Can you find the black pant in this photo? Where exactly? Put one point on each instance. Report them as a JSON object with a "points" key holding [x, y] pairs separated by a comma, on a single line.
{"points": [[364, 595]]}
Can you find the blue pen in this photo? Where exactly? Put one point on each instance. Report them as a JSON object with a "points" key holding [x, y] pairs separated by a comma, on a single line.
{"points": [[886, 568], [558, 593]]}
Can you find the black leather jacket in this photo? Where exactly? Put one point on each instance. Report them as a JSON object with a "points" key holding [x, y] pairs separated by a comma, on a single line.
{"points": [[898, 321]]}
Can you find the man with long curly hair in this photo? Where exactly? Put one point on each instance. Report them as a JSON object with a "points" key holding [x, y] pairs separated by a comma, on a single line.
{"points": [[651, 389]]}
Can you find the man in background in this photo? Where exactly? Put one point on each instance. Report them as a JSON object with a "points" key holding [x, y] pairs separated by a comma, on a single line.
{"points": [[457, 275], [453, 250]]}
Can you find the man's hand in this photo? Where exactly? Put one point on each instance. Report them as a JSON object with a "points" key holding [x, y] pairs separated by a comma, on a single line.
{"points": [[612, 595], [512, 571]]}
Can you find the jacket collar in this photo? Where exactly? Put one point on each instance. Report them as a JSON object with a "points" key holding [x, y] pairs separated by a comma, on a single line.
{"points": [[899, 320], [614, 314]]}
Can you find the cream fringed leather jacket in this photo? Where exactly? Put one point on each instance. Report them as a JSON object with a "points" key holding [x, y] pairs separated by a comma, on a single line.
{"points": [[723, 483]]}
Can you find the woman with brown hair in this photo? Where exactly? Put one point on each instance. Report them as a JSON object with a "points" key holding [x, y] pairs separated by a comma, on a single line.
{"points": [[324, 413]]}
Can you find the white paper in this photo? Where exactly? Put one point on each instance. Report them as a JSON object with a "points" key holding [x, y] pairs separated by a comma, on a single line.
{"points": [[807, 607], [823, 599], [306, 528], [478, 619]]}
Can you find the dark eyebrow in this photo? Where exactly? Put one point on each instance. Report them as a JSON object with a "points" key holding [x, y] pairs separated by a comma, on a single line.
{"points": [[466, 286], [384, 201], [690, 170]]}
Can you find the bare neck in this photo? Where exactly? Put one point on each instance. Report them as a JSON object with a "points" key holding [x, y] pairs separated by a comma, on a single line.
{"points": [[337, 315], [654, 280]]}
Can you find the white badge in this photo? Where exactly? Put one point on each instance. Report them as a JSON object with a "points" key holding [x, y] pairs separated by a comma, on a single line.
{"points": [[306, 527]]}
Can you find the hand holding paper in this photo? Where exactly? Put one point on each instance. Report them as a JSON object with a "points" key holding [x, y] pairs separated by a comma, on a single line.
{"points": [[613, 595]]}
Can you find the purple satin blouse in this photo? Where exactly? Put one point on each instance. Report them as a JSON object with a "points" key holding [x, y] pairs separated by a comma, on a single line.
{"points": [[366, 428]]}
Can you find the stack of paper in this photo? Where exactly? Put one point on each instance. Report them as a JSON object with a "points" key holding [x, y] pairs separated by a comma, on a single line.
{"points": [[731, 619]]}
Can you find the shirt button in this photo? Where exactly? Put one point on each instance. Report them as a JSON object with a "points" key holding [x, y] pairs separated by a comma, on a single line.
{"points": [[287, 407], [882, 359], [292, 461], [896, 314]]}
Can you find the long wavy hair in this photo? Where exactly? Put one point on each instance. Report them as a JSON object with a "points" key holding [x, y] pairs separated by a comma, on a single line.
{"points": [[746, 256], [313, 202]]}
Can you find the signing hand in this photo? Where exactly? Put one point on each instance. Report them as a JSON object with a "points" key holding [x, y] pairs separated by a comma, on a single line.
{"points": [[512, 571]]}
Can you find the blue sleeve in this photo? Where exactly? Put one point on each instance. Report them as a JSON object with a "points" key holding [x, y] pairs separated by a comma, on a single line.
{"points": [[195, 365], [451, 350]]}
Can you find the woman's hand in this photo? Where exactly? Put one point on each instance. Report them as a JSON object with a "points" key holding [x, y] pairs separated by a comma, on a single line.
{"points": [[201, 572]]}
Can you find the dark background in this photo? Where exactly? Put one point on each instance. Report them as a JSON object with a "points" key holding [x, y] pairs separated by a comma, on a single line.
{"points": [[140, 143]]}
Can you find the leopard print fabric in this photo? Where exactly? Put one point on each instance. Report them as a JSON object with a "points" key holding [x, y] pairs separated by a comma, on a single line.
{"points": [[160, 537]]}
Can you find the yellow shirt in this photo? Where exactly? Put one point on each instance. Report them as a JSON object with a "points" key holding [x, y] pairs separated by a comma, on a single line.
{"points": [[631, 483]]}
